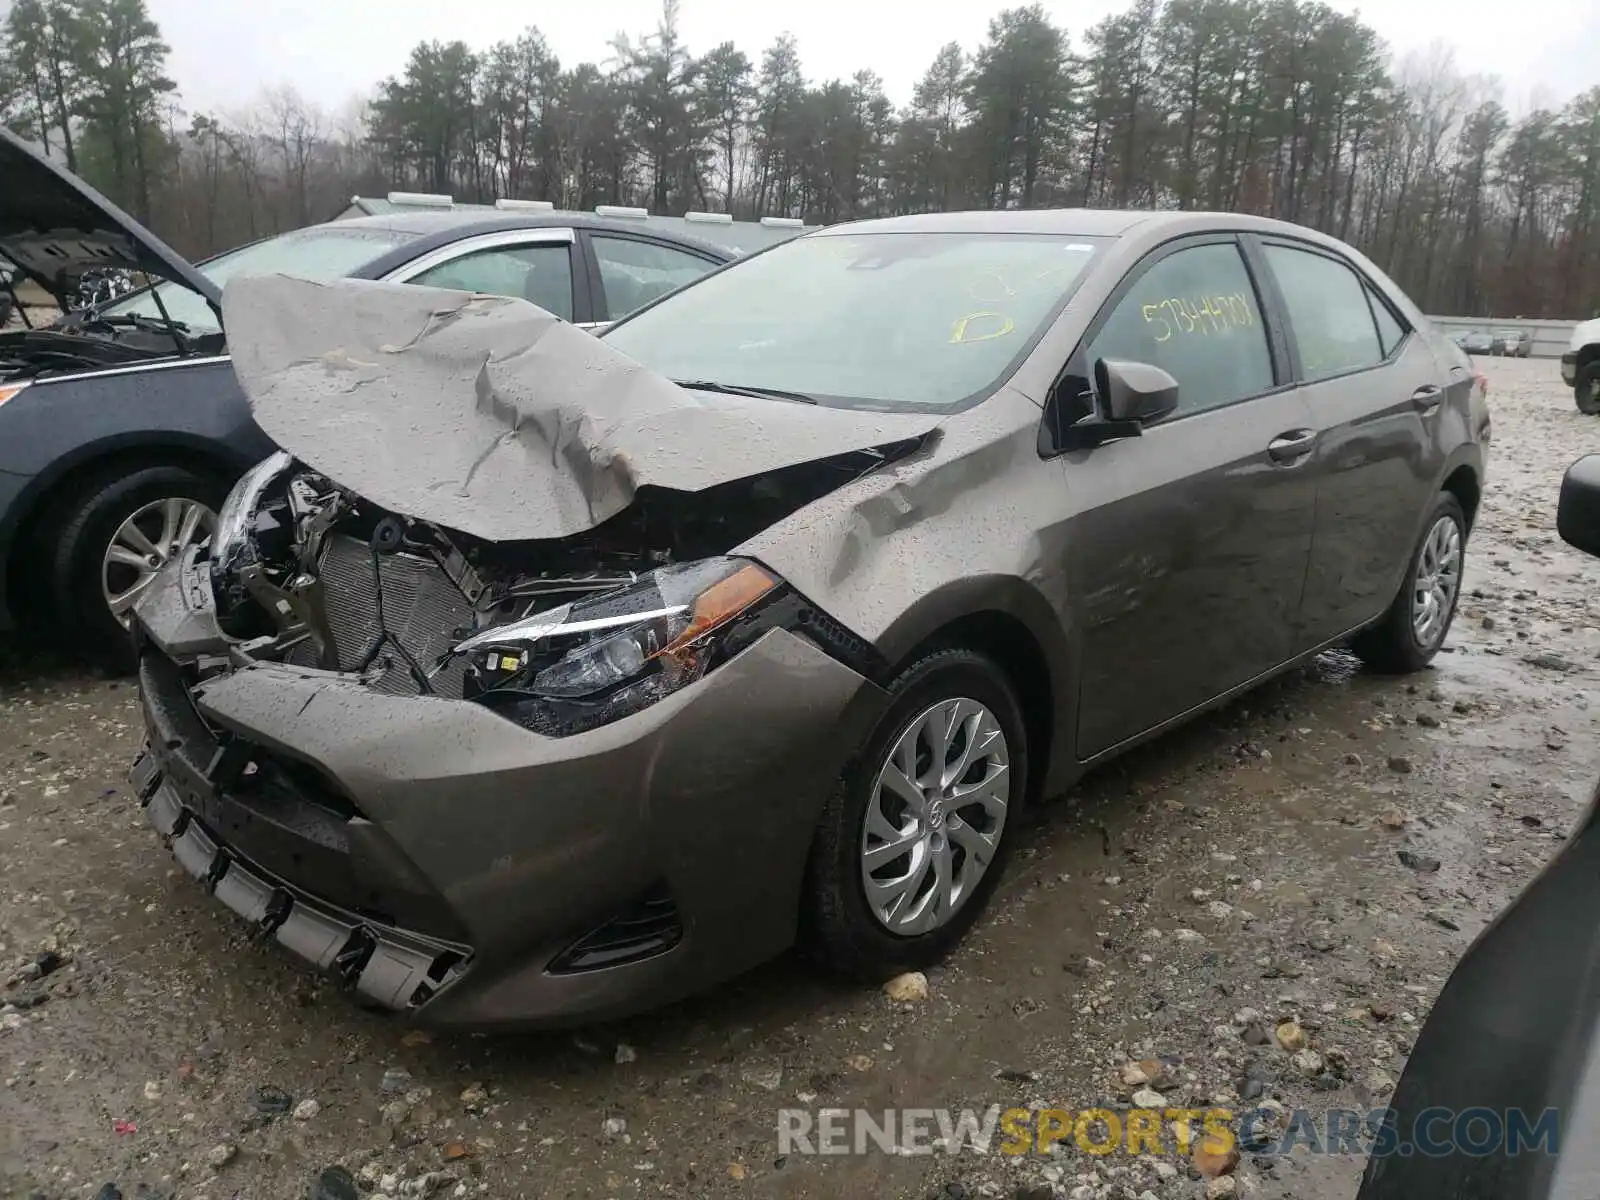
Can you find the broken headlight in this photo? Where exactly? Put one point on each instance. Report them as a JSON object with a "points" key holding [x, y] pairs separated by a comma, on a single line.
{"points": [[233, 519], [603, 657]]}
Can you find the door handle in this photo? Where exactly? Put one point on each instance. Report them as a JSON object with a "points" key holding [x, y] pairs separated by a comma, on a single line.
{"points": [[1292, 446], [1427, 398]]}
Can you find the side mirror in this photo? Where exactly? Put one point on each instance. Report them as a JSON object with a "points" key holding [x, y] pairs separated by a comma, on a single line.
{"points": [[1578, 513], [1134, 391]]}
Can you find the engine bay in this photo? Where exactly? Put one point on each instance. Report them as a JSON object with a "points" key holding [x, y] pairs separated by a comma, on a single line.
{"points": [[87, 343], [556, 633]]}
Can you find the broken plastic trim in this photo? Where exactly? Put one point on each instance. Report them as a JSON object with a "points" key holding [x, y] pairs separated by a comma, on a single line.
{"points": [[395, 968]]}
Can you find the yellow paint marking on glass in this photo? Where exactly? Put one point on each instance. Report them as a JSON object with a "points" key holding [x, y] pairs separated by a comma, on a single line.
{"points": [[1152, 314], [1204, 315], [958, 332], [1006, 290]]}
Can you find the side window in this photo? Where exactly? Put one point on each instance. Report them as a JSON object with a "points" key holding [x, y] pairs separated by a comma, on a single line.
{"points": [[1390, 331], [634, 273], [1328, 309], [1194, 314], [541, 274]]}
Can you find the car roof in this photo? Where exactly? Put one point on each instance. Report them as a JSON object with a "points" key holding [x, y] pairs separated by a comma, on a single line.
{"points": [[452, 225], [1148, 227], [1082, 222]]}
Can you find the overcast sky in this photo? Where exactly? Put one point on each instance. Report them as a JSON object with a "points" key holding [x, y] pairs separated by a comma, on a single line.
{"points": [[225, 51]]}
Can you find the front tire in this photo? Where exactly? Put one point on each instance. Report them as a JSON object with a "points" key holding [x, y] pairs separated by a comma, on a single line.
{"points": [[916, 835], [1587, 388], [109, 545], [1410, 634]]}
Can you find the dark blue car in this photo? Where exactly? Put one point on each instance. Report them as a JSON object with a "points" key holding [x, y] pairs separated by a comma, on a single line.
{"points": [[122, 427]]}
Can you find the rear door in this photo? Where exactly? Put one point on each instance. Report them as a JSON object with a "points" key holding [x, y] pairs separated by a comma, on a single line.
{"points": [[1376, 395], [537, 265], [1189, 545], [628, 271]]}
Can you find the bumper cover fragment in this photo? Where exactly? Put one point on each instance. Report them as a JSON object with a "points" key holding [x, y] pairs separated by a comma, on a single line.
{"points": [[392, 967]]}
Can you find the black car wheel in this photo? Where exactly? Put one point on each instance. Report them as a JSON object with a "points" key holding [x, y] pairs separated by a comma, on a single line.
{"points": [[1587, 388], [916, 835], [109, 545], [1411, 632]]}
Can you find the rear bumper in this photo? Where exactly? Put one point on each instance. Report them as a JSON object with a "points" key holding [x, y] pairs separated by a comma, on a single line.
{"points": [[452, 864], [1569, 368]]}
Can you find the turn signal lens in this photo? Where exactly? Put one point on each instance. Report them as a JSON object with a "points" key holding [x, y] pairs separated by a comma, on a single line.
{"points": [[8, 390], [721, 602]]}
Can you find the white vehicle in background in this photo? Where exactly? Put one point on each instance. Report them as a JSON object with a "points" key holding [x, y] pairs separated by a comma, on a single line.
{"points": [[1580, 366]]}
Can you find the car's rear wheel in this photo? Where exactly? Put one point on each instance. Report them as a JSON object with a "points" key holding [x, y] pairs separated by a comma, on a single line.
{"points": [[1587, 388], [915, 837], [111, 543], [1412, 631]]}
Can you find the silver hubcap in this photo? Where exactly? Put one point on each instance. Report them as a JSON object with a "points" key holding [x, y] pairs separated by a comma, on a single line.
{"points": [[144, 543], [935, 816], [1438, 581]]}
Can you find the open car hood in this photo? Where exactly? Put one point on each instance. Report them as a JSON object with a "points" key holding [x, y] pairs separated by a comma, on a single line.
{"points": [[490, 416], [50, 221]]}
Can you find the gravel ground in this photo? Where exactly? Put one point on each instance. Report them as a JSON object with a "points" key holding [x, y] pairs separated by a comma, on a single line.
{"points": [[1250, 861]]}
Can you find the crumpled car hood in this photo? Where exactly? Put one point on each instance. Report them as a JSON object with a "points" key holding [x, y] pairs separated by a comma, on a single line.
{"points": [[490, 416]]}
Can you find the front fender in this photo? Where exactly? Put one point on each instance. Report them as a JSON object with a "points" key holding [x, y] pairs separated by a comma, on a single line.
{"points": [[55, 427]]}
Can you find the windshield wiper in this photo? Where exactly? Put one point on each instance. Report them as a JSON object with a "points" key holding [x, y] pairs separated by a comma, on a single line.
{"points": [[741, 389], [165, 325], [138, 321]]}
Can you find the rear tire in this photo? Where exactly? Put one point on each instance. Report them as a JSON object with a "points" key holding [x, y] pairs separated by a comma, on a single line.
{"points": [[1587, 388], [82, 540], [1402, 642], [840, 925]]}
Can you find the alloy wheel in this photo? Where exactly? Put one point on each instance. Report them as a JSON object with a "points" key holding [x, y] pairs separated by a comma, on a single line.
{"points": [[1438, 580], [144, 543], [935, 816]]}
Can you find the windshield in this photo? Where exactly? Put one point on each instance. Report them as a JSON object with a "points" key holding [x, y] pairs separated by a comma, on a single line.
{"points": [[873, 320], [320, 253]]}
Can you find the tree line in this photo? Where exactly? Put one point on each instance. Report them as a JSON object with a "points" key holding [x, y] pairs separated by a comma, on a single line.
{"points": [[1284, 108]]}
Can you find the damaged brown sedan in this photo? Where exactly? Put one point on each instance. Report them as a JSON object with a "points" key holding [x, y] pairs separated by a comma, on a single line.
{"points": [[543, 677]]}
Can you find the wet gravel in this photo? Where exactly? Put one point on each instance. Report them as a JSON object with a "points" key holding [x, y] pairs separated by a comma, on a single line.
{"points": [[1320, 852]]}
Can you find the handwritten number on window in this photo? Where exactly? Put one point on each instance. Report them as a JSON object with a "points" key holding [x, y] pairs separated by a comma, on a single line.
{"points": [[1203, 315]]}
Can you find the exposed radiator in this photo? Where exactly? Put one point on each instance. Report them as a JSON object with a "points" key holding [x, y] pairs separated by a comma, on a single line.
{"points": [[421, 607]]}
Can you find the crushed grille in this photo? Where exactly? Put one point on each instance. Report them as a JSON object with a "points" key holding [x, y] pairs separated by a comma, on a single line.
{"points": [[422, 608]]}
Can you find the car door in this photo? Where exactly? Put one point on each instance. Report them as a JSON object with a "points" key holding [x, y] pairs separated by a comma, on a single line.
{"points": [[1189, 547], [1376, 394], [532, 264], [629, 272]]}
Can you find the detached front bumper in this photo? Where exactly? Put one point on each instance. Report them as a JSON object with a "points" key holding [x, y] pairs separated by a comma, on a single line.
{"points": [[1569, 368], [451, 863]]}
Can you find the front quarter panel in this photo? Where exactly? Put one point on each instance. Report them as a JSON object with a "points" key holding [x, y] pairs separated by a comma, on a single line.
{"points": [[972, 524]]}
